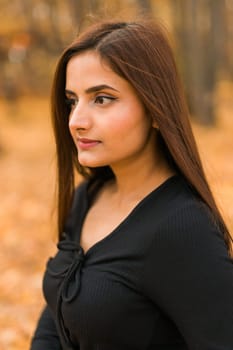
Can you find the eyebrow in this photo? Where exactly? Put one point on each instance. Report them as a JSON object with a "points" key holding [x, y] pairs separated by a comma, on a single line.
{"points": [[93, 89]]}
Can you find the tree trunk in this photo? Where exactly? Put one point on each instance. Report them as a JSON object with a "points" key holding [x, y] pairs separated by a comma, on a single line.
{"points": [[193, 28]]}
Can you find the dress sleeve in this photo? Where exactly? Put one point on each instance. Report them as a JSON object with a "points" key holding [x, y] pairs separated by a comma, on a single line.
{"points": [[45, 336], [189, 275]]}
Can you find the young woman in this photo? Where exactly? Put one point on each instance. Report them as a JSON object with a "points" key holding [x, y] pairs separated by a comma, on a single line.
{"points": [[143, 259]]}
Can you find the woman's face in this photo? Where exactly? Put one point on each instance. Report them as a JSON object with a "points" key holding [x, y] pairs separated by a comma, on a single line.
{"points": [[107, 120]]}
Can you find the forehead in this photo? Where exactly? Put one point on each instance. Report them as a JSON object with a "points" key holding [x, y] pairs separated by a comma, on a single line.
{"points": [[89, 57], [88, 62], [88, 69]]}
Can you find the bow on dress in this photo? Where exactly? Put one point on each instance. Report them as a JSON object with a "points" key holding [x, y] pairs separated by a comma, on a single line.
{"points": [[70, 285]]}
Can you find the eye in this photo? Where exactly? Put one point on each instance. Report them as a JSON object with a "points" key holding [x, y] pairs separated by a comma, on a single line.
{"points": [[103, 100], [71, 102]]}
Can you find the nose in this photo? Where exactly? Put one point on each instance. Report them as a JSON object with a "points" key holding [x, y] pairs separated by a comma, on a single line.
{"points": [[79, 118]]}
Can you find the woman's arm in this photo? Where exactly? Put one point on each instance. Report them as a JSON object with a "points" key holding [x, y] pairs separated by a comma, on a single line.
{"points": [[190, 276], [45, 336]]}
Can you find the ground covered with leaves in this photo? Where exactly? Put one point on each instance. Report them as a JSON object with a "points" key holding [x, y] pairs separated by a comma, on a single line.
{"points": [[27, 184]]}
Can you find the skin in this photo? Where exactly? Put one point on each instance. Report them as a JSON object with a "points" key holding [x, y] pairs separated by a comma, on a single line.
{"points": [[109, 126]]}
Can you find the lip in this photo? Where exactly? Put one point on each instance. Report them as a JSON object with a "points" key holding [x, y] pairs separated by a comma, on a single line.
{"points": [[85, 143]]}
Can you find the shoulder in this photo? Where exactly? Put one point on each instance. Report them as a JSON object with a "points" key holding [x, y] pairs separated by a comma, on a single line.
{"points": [[187, 244], [188, 225], [80, 190], [80, 195], [175, 206], [183, 206], [79, 203], [189, 215], [183, 220]]}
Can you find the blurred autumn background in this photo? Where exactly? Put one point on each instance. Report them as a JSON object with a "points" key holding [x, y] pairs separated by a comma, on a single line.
{"points": [[32, 35]]}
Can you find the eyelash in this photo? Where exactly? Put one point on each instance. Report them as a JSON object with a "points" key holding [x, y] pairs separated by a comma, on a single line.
{"points": [[102, 97], [71, 102]]}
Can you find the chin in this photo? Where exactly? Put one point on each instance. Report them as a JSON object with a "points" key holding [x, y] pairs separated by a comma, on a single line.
{"points": [[91, 163]]}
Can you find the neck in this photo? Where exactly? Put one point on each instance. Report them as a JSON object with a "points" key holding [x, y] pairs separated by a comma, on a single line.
{"points": [[137, 179]]}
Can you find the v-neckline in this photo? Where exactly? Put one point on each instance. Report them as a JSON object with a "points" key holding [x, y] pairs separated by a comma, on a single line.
{"points": [[86, 201]]}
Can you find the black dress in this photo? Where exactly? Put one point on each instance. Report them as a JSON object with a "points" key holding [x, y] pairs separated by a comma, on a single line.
{"points": [[162, 280]]}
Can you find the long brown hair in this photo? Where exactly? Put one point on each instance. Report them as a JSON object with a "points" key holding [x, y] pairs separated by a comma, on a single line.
{"points": [[140, 53]]}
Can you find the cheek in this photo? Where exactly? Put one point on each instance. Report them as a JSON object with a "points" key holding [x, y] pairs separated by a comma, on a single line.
{"points": [[133, 122]]}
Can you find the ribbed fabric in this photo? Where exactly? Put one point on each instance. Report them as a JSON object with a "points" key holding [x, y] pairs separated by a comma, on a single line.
{"points": [[162, 280]]}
